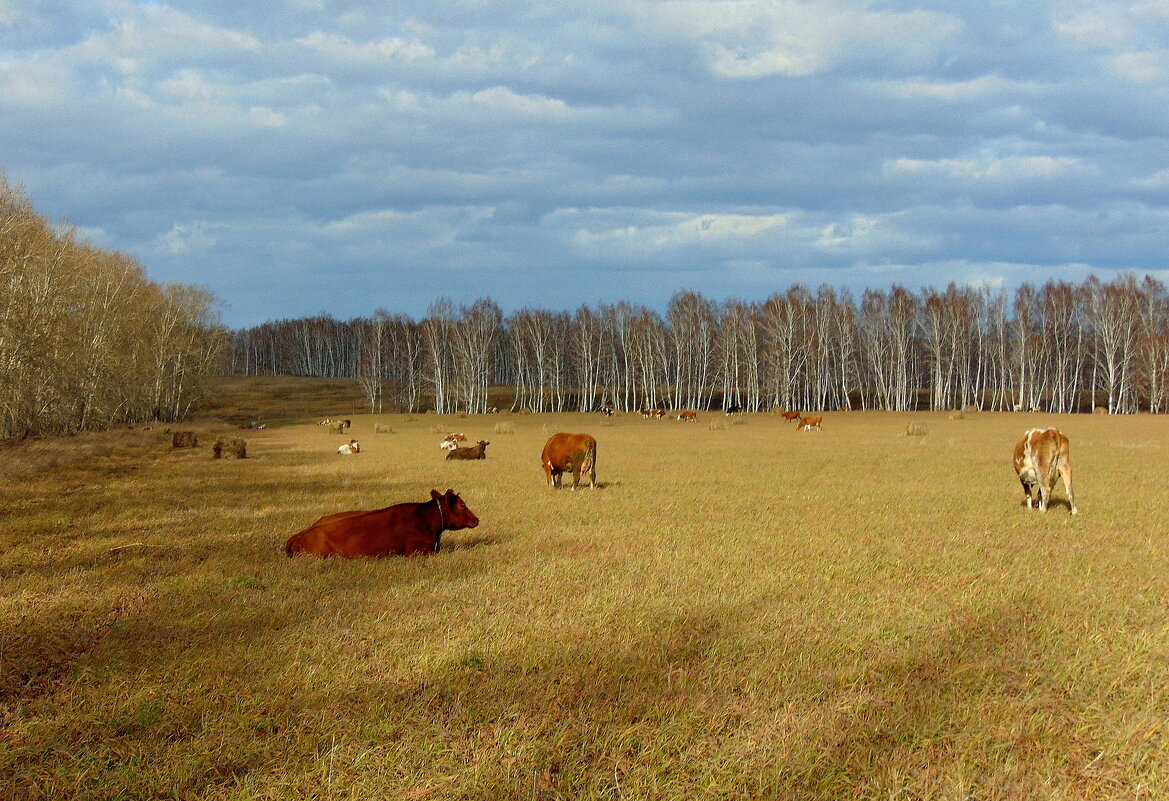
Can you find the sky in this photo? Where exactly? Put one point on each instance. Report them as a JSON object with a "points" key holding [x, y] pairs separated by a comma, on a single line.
{"points": [[339, 156]]}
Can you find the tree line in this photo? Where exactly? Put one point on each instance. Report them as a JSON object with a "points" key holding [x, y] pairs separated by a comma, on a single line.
{"points": [[86, 341], [1059, 347]]}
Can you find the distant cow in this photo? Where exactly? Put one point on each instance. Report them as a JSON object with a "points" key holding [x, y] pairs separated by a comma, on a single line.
{"points": [[399, 530], [688, 416], [606, 411], [809, 423], [1041, 457], [451, 441], [570, 452], [349, 448], [325, 422], [734, 410], [791, 416], [475, 452]]}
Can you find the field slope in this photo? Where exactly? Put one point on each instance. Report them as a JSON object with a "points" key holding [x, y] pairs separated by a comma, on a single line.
{"points": [[738, 612]]}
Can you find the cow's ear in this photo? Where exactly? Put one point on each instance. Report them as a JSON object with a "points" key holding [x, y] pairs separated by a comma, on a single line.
{"points": [[450, 491], [434, 495]]}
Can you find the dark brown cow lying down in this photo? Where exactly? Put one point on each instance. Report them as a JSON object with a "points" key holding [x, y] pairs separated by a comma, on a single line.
{"points": [[399, 530], [475, 452], [565, 452]]}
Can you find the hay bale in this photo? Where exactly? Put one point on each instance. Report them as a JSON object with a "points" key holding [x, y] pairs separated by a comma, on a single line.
{"points": [[717, 425], [969, 409], [436, 430], [956, 415], [505, 428], [231, 447], [916, 430], [337, 428], [1099, 410], [382, 428], [184, 439]]}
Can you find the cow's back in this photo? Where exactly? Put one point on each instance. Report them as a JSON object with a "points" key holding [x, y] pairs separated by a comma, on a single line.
{"points": [[563, 451], [394, 530]]}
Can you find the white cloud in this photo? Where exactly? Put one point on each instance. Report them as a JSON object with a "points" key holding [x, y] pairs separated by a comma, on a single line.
{"points": [[384, 50], [985, 167], [500, 97], [267, 118], [185, 239], [758, 38]]}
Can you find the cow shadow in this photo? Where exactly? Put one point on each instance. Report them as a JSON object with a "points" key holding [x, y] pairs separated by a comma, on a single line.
{"points": [[466, 543]]}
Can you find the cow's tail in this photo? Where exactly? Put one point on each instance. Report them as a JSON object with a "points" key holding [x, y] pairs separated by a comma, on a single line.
{"points": [[590, 460]]}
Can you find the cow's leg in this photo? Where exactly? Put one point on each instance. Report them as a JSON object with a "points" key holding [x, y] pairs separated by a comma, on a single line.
{"points": [[575, 476], [1026, 493], [1065, 472]]}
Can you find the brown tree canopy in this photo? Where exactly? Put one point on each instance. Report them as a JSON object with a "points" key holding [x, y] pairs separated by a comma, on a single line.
{"points": [[86, 341]]}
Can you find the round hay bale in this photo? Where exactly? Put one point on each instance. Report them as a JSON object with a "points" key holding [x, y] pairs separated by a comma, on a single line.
{"points": [[716, 425], [916, 430], [1099, 410], [382, 428], [969, 409], [436, 430], [337, 428], [184, 439], [956, 415], [505, 428], [225, 447]]}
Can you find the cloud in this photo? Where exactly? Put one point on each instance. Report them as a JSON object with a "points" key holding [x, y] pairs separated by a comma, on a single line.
{"points": [[390, 49], [582, 150]]}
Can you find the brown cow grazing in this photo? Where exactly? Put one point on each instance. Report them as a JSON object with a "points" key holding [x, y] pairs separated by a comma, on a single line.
{"points": [[399, 530], [1041, 457], [565, 452], [791, 416], [688, 416], [809, 423], [475, 452]]}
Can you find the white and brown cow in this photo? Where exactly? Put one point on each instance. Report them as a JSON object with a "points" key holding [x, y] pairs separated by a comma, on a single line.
{"points": [[349, 448], [1041, 457]]}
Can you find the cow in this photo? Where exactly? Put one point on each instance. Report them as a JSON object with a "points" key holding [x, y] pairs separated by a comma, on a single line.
{"points": [[565, 452], [1041, 457], [734, 410], [349, 448], [606, 411], [475, 452], [327, 421], [399, 530], [791, 416], [451, 441], [688, 416], [809, 423]]}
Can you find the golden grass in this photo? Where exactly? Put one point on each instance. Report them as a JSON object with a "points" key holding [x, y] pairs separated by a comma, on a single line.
{"points": [[738, 613]]}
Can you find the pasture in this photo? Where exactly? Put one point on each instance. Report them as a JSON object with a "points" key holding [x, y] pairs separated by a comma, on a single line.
{"points": [[738, 612]]}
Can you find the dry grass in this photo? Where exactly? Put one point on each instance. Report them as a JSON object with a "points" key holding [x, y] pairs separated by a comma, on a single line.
{"points": [[737, 614]]}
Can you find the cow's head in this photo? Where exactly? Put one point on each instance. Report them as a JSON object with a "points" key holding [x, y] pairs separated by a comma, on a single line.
{"points": [[455, 513]]}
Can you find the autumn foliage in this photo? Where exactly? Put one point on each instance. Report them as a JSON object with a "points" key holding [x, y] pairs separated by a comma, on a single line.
{"points": [[86, 340]]}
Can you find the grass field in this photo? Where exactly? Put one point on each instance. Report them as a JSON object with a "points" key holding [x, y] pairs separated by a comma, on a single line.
{"points": [[736, 613]]}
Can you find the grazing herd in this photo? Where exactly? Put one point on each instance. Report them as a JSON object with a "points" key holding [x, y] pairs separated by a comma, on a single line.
{"points": [[1041, 458]]}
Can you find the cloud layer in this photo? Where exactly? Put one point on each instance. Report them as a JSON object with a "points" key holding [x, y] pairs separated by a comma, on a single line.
{"points": [[320, 155]]}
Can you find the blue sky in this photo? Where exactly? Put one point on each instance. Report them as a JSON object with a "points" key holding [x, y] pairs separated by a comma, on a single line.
{"points": [[310, 156]]}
